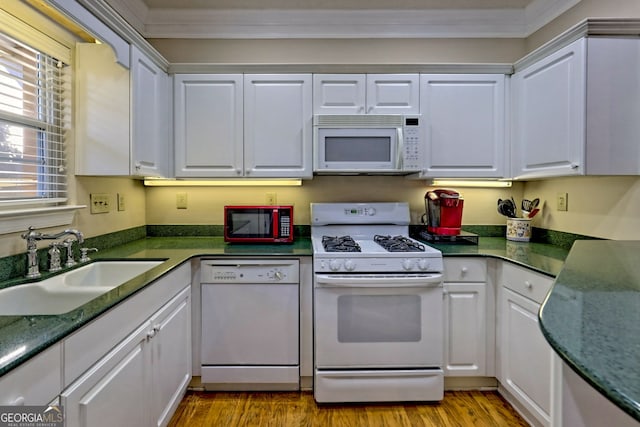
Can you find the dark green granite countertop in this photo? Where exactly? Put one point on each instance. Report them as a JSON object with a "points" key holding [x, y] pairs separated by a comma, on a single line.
{"points": [[591, 318], [22, 337], [541, 257]]}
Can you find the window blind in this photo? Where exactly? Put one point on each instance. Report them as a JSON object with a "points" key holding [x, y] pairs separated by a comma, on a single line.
{"points": [[33, 113]]}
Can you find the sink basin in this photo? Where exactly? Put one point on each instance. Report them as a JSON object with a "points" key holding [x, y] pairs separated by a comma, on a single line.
{"points": [[34, 299], [107, 273], [67, 291]]}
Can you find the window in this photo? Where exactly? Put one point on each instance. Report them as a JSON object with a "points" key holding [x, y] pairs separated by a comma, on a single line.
{"points": [[33, 112]]}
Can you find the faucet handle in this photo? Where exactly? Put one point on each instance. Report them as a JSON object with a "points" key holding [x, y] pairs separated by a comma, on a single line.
{"points": [[68, 243], [83, 253]]}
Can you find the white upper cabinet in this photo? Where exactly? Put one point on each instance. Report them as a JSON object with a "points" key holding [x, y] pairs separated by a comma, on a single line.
{"points": [[256, 125], [464, 123], [150, 117], [122, 116], [102, 130], [339, 93], [366, 94], [576, 111], [277, 126], [208, 113]]}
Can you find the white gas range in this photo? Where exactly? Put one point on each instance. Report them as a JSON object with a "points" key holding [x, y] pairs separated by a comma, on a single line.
{"points": [[377, 306]]}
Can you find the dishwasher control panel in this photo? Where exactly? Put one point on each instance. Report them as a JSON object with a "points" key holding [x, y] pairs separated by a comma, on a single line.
{"points": [[249, 271]]}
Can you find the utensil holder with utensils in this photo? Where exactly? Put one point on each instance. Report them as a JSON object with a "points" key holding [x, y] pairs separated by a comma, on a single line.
{"points": [[519, 229]]}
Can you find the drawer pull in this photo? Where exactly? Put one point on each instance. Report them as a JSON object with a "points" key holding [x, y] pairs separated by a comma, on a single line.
{"points": [[464, 270], [528, 284]]}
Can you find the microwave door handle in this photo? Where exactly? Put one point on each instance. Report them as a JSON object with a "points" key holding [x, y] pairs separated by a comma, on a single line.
{"points": [[400, 153]]}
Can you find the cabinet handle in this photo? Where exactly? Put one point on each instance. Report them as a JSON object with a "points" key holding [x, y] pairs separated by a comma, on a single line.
{"points": [[151, 333], [574, 166], [528, 284], [464, 270]]}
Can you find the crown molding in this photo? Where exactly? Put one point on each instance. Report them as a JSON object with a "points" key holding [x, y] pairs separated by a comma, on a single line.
{"points": [[210, 68], [260, 24]]}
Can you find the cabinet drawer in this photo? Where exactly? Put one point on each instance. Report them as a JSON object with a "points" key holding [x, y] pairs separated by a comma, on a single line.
{"points": [[465, 269], [36, 382], [532, 285]]}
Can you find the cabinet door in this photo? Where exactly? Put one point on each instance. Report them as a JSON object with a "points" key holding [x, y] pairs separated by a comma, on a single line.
{"points": [[277, 126], [115, 391], [549, 114], [339, 93], [149, 117], [208, 125], [464, 124], [102, 113], [525, 355], [393, 94], [170, 356], [465, 329]]}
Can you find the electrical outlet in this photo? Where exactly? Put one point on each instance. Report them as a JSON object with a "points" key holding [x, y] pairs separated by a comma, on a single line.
{"points": [[271, 198], [100, 203], [562, 201], [121, 204], [181, 200]]}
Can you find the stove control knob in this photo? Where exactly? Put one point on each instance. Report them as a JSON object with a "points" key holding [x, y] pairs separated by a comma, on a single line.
{"points": [[334, 265], [423, 264], [407, 264], [349, 265]]}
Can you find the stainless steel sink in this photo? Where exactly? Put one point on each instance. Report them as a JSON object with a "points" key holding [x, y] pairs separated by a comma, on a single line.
{"points": [[67, 291]]}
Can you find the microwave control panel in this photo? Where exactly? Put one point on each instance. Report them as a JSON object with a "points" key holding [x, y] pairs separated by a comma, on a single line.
{"points": [[413, 145], [285, 223]]}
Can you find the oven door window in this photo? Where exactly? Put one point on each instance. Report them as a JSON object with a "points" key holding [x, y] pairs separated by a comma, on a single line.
{"points": [[378, 327], [379, 318]]}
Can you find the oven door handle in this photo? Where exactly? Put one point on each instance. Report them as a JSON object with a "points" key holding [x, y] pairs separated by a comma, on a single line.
{"points": [[378, 280]]}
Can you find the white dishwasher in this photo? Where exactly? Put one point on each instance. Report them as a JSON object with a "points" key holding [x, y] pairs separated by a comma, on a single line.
{"points": [[250, 324]]}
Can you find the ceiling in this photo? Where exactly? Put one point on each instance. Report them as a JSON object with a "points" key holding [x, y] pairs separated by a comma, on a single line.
{"points": [[251, 19]]}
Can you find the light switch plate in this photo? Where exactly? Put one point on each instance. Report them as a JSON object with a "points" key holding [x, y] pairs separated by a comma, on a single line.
{"points": [[100, 203]]}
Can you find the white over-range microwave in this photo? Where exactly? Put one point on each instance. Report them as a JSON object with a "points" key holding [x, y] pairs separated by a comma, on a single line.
{"points": [[368, 144]]}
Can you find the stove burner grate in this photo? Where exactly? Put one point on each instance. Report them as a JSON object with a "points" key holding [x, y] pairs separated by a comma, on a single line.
{"points": [[340, 244], [398, 244]]}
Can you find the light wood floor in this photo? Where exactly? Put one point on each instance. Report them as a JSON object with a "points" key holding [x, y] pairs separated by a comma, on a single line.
{"points": [[459, 408]]}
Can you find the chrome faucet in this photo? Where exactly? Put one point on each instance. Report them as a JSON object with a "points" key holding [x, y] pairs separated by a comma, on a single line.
{"points": [[32, 236]]}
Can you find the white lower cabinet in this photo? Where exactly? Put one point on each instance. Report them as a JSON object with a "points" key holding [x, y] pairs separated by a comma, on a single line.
{"points": [[468, 323], [36, 382], [526, 359], [140, 381]]}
